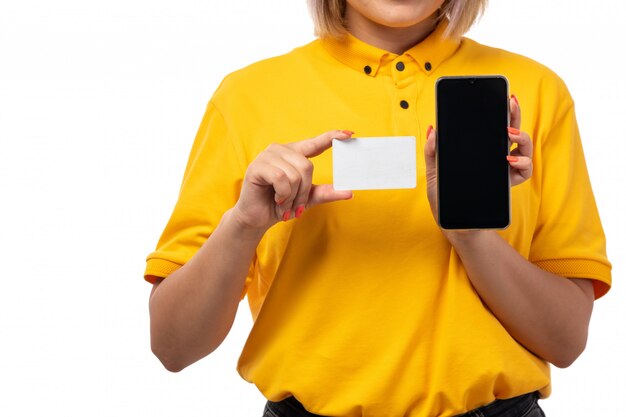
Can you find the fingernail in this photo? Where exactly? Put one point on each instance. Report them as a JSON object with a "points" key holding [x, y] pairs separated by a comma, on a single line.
{"points": [[515, 99], [430, 129], [513, 130], [299, 211], [279, 202], [286, 215], [512, 158], [348, 132]]}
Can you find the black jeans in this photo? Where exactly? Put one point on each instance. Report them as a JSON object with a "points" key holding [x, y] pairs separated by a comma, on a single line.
{"points": [[522, 406]]}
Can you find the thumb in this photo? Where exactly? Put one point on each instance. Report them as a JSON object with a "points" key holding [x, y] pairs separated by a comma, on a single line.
{"points": [[516, 113], [326, 193], [429, 152]]}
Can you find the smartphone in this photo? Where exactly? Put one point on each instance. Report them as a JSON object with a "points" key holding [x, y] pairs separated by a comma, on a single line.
{"points": [[473, 184]]}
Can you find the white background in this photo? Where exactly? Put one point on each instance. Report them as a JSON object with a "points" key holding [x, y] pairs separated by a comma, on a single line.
{"points": [[99, 104]]}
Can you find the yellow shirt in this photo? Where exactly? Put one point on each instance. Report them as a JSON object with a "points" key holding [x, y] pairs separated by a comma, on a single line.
{"points": [[361, 307]]}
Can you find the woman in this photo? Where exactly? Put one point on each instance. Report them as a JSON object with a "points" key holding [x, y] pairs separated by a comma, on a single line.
{"points": [[363, 306]]}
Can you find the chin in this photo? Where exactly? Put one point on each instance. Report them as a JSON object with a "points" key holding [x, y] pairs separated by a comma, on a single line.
{"points": [[401, 15]]}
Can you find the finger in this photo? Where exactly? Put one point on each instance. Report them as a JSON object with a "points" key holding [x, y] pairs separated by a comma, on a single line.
{"points": [[521, 168], [304, 168], [315, 146], [523, 141], [280, 156], [292, 177], [278, 174], [325, 193], [265, 174], [516, 112]]}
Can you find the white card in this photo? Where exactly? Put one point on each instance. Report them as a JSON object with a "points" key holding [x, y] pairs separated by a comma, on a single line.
{"points": [[374, 163]]}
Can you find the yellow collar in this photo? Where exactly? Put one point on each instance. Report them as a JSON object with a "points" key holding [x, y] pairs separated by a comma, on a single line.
{"points": [[365, 58]]}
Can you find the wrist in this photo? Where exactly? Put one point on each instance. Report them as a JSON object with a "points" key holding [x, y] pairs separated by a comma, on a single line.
{"points": [[234, 219], [465, 238]]}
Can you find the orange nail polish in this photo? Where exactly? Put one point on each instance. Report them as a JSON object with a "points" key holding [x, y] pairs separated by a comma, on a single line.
{"points": [[515, 99], [512, 158], [348, 132], [299, 211], [513, 131], [430, 129], [279, 202], [286, 215]]}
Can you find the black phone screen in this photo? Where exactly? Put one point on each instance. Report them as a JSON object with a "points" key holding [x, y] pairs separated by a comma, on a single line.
{"points": [[472, 144]]}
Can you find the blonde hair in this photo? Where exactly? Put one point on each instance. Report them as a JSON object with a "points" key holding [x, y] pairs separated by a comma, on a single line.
{"points": [[328, 16]]}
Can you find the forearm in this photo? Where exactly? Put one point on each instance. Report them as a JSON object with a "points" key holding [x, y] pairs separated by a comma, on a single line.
{"points": [[546, 313], [192, 311]]}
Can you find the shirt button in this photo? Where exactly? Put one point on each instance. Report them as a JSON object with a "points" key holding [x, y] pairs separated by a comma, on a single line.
{"points": [[367, 69], [400, 66], [404, 104], [428, 66]]}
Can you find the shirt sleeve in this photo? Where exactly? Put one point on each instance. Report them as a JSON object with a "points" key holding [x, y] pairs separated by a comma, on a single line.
{"points": [[568, 238], [211, 185]]}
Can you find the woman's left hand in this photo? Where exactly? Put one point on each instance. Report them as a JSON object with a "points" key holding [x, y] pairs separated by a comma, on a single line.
{"points": [[520, 158]]}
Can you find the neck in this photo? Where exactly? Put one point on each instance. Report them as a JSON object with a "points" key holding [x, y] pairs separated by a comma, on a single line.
{"points": [[392, 39]]}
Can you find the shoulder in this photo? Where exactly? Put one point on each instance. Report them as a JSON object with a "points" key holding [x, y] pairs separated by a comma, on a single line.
{"points": [[268, 76], [521, 70], [543, 94]]}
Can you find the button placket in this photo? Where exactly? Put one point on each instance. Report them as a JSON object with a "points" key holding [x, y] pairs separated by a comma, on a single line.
{"points": [[405, 73], [402, 74]]}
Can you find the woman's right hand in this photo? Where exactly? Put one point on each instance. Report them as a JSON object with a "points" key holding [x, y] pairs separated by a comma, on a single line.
{"points": [[278, 183]]}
